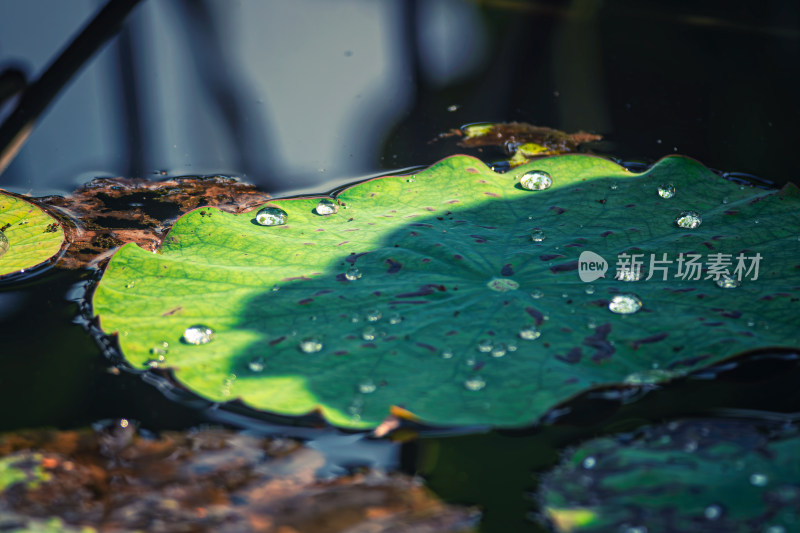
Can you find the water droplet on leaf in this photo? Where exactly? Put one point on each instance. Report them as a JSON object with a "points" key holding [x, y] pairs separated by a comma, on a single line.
{"points": [[689, 220], [367, 387], [474, 383], [614, 185], [310, 345], [529, 333], [758, 480], [368, 333], [256, 364], [198, 334], [353, 273], [395, 319], [536, 294], [271, 216], [373, 315], [589, 462], [727, 282], [326, 206], [447, 353], [537, 235], [712, 512], [160, 350], [624, 304], [536, 180], [666, 191], [498, 350], [589, 289], [485, 345]]}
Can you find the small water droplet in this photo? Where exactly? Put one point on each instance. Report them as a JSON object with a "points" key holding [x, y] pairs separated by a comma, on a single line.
{"points": [[373, 315], [725, 200], [712, 512], [474, 383], [131, 284], [614, 186], [369, 333], [355, 319], [536, 180], [755, 221], [310, 345], [589, 462], [326, 206], [152, 363], [630, 273], [411, 180], [758, 480], [160, 350], [198, 334], [591, 324], [485, 345], [395, 319], [589, 289], [353, 273], [688, 219], [367, 387], [727, 282], [511, 347], [256, 364], [446, 353], [751, 322], [275, 288], [529, 333], [498, 350], [4, 244], [666, 191], [536, 294], [271, 216], [537, 235], [624, 304], [775, 529]]}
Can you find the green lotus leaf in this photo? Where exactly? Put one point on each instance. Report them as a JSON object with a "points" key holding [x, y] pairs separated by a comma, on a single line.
{"points": [[28, 235], [683, 476], [455, 293]]}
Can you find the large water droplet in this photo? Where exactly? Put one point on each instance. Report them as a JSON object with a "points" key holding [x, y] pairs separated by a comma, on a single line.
{"points": [[367, 386], [198, 334], [485, 345], [688, 219], [4, 244], [310, 344], [666, 191], [474, 383], [624, 304], [727, 282], [529, 333], [537, 235], [758, 480], [536, 180], [589, 462], [369, 333], [373, 315], [353, 273], [326, 206], [256, 364], [271, 216]]}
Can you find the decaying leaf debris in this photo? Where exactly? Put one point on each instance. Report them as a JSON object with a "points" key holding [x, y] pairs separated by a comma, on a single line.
{"points": [[203, 480], [109, 212]]}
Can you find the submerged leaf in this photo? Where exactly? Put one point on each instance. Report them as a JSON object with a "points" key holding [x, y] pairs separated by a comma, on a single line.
{"points": [[682, 476], [28, 235], [430, 293]]}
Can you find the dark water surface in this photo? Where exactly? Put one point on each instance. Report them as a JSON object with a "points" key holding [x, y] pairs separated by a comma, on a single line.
{"points": [[308, 95]]}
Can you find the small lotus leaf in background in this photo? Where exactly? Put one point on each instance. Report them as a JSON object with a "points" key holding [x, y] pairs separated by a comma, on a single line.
{"points": [[682, 476], [451, 283], [33, 236]]}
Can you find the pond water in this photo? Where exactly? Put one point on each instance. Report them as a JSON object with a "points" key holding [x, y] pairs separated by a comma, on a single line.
{"points": [[306, 96]]}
